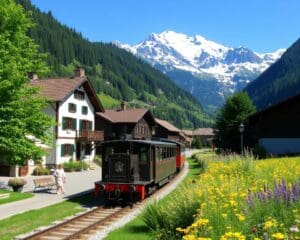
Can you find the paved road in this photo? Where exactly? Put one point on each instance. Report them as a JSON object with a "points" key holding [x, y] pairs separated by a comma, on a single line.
{"points": [[77, 183]]}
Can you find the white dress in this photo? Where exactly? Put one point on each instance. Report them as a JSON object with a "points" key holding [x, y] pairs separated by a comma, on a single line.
{"points": [[60, 177]]}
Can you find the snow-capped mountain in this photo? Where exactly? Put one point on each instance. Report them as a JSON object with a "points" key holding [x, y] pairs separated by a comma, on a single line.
{"points": [[196, 63]]}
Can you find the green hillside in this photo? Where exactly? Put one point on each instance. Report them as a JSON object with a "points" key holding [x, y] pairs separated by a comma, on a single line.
{"points": [[115, 73], [278, 82]]}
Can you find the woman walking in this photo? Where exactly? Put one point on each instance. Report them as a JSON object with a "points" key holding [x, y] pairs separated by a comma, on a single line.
{"points": [[60, 179]]}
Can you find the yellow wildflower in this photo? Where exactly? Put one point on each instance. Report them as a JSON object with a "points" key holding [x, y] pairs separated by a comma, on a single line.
{"points": [[278, 236], [224, 215], [240, 217]]}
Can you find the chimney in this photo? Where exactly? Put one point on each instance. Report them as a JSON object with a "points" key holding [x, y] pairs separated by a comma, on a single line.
{"points": [[79, 72], [123, 105], [32, 76]]}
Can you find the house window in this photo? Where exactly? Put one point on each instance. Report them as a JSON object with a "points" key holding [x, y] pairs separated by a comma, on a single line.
{"points": [[72, 107], [67, 150], [84, 110], [85, 125], [79, 95], [68, 123]]}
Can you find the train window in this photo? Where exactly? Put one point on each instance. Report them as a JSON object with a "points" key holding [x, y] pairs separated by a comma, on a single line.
{"points": [[109, 151], [164, 153], [157, 154], [143, 155]]}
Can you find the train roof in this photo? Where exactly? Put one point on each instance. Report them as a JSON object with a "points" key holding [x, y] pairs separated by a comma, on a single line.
{"points": [[151, 142]]}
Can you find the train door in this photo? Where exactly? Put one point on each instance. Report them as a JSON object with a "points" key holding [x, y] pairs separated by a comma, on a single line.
{"points": [[144, 161], [152, 162]]}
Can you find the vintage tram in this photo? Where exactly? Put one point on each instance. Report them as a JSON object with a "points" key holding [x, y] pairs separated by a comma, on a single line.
{"points": [[132, 169]]}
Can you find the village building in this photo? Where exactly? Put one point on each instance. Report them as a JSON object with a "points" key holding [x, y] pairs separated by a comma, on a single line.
{"points": [[165, 129], [206, 135], [73, 104], [126, 123], [188, 137], [277, 128]]}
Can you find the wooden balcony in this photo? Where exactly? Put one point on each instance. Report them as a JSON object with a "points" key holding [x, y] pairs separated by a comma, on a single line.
{"points": [[90, 136]]}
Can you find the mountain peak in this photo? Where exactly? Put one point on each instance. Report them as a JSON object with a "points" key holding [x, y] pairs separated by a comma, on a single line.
{"points": [[228, 67]]}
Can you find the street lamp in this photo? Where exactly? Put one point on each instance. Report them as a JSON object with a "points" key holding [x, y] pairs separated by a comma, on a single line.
{"points": [[241, 130]]}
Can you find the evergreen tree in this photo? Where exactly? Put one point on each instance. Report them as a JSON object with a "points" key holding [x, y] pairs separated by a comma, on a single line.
{"points": [[113, 71], [237, 109], [21, 113]]}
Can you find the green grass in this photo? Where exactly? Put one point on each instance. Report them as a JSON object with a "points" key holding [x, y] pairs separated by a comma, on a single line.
{"points": [[28, 221], [14, 196], [108, 101], [137, 229]]}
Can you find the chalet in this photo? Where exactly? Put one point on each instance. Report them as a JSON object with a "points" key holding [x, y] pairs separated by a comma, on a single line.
{"points": [[277, 128], [205, 134], [164, 129], [129, 123], [188, 137], [73, 104]]}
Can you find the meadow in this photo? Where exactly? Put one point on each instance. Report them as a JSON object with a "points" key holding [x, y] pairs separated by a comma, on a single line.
{"points": [[243, 198]]}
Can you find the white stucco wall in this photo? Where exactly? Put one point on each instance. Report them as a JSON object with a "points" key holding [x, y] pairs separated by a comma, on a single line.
{"points": [[280, 145], [69, 136]]}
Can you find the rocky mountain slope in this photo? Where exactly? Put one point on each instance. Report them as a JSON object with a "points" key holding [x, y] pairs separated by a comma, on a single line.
{"points": [[278, 82], [207, 69]]}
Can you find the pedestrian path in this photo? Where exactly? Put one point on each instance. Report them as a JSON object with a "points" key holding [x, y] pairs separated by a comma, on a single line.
{"points": [[76, 183]]}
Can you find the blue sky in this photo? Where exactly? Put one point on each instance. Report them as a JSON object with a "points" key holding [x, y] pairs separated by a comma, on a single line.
{"points": [[261, 25]]}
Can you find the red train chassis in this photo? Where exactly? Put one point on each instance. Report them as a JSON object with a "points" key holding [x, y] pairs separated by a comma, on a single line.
{"points": [[118, 189]]}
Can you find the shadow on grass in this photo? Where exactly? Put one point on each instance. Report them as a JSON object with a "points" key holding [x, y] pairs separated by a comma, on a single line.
{"points": [[138, 229], [196, 165], [87, 200]]}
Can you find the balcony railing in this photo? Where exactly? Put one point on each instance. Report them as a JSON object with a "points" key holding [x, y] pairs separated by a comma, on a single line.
{"points": [[88, 135]]}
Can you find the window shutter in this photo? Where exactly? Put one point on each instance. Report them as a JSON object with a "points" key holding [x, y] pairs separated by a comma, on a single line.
{"points": [[72, 149], [74, 123], [90, 125], [62, 148], [64, 123], [80, 124]]}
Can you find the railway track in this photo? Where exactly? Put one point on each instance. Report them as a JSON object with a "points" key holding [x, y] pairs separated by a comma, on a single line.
{"points": [[82, 226], [90, 223]]}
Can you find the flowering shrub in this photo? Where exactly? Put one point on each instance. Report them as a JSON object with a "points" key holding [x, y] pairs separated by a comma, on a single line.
{"points": [[15, 182], [241, 198]]}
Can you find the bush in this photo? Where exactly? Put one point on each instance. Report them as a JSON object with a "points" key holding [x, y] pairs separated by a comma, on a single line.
{"points": [[15, 182], [180, 211], [75, 166], [40, 171], [260, 152], [98, 160], [196, 143]]}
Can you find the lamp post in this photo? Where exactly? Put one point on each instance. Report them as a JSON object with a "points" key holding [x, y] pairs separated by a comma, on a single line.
{"points": [[241, 130]]}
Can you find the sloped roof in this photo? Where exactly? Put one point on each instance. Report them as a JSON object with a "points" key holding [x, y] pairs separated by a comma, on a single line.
{"points": [[58, 89], [187, 132], [203, 132], [124, 116], [165, 124]]}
